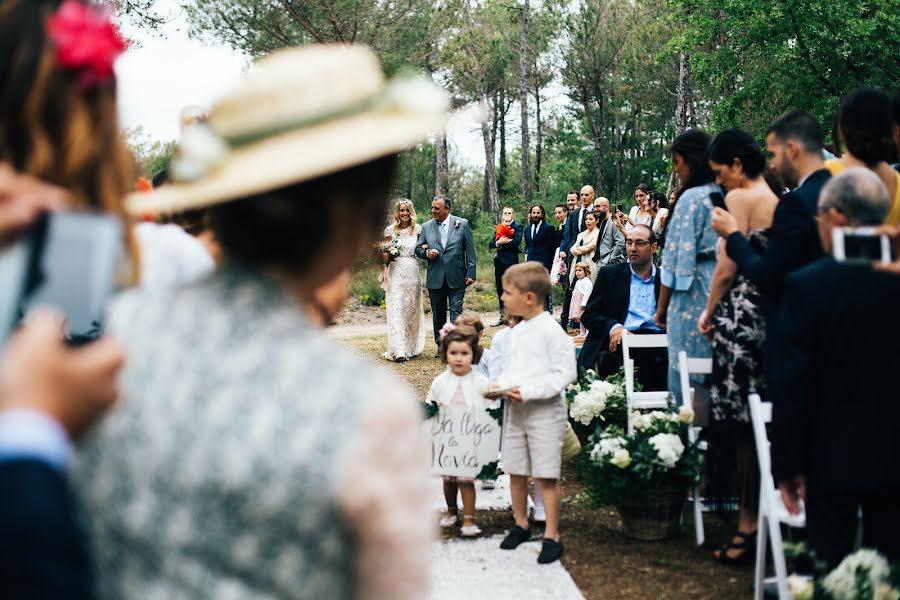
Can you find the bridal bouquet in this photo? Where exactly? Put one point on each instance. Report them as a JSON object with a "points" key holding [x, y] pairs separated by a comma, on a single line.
{"points": [[389, 248]]}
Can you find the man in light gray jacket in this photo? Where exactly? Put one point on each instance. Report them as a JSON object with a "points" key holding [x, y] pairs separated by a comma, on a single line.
{"points": [[610, 242], [446, 243]]}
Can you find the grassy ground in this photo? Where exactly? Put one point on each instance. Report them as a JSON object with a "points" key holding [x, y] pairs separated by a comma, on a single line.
{"points": [[603, 562]]}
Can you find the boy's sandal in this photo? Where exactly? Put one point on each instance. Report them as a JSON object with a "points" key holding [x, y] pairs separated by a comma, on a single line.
{"points": [[746, 545]]}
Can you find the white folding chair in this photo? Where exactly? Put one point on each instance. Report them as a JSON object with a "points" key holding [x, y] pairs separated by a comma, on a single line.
{"points": [[641, 400], [686, 368], [772, 512]]}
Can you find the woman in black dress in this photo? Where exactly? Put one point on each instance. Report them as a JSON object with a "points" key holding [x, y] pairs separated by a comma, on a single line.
{"points": [[733, 319]]}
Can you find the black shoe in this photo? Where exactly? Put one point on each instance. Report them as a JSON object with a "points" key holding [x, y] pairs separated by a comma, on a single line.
{"points": [[516, 537], [550, 551], [747, 546]]}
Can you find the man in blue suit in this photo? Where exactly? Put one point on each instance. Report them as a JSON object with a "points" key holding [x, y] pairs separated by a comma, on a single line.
{"points": [[446, 243], [507, 255], [540, 242]]}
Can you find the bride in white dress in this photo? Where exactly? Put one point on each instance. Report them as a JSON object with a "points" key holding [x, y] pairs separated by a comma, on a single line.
{"points": [[403, 288]]}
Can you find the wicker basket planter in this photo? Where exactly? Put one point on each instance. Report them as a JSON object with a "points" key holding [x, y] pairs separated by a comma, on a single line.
{"points": [[655, 515]]}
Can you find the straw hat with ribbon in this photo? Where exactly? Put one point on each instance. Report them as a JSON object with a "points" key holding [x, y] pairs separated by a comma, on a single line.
{"points": [[300, 114]]}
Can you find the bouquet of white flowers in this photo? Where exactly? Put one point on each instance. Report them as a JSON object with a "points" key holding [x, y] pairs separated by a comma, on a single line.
{"points": [[593, 401], [658, 452], [865, 574]]}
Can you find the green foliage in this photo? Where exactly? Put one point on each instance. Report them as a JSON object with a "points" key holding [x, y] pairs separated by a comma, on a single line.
{"points": [[365, 285], [150, 155], [489, 471], [758, 58]]}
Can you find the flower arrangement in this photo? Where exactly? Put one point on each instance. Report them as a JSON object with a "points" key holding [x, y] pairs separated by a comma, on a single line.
{"points": [[863, 575], [593, 401], [623, 467]]}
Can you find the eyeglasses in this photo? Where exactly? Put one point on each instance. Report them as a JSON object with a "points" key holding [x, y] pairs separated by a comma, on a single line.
{"points": [[638, 243]]}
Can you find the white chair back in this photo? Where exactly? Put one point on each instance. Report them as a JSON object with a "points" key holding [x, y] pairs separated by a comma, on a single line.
{"points": [[687, 367], [641, 400], [772, 512]]}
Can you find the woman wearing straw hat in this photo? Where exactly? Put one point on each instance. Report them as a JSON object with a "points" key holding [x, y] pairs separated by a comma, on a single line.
{"points": [[252, 457]]}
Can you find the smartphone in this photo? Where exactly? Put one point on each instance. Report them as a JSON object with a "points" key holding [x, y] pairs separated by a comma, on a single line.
{"points": [[67, 261], [618, 208], [860, 245], [718, 200]]}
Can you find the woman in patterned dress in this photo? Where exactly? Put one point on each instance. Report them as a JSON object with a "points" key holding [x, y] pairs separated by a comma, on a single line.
{"points": [[690, 255], [403, 288], [733, 319], [252, 456]]}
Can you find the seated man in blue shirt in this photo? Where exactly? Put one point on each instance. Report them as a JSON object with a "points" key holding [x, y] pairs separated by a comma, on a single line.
{"points": [[623, 302]]}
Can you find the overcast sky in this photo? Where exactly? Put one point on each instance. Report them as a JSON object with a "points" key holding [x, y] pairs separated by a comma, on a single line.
{"points": [[168, 71]]}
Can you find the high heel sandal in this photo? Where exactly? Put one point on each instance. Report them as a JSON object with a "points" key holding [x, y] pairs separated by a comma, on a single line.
{"points": [[746, 545]]}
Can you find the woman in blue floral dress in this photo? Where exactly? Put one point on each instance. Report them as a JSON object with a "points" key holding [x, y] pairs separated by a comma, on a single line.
{"points": [[690, 255]]}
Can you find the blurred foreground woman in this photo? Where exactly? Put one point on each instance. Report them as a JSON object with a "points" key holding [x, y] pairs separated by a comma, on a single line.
{"points": [[252, 457]]}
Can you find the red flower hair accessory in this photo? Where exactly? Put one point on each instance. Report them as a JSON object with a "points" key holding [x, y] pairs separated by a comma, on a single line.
{"points": [[86, 41]]}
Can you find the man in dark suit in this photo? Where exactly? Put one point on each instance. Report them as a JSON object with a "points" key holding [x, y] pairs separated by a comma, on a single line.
{"points": [[540, 243], [623, 302], [795, 141], [507, 255], [574, 225], [49, 394], [836, 417]]}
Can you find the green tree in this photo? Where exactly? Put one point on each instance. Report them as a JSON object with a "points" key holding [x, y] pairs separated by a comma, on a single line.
{"points": [[758, 58], [151, 155]]}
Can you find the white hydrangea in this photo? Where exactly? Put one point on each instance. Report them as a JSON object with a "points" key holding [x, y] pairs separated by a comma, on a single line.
{"points": [[621, 458], [800, 587], [668, 447], [609, 445], [639, 421], [686, 415], [841, 583], [587, 406], [603, 388]]}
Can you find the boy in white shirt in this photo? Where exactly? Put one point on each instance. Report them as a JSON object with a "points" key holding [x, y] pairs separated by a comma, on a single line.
{"points": [[541, 366]]}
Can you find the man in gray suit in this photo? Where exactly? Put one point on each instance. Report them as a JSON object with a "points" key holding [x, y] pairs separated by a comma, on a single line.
{"points": [[610, 241], [446, 243]]}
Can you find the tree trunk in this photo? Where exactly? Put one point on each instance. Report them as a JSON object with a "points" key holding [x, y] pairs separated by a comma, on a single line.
{"points": [[538, 142], [685, 103], [523, 103], [504, 166], [493, 197], [441, 171], [408, 183]]}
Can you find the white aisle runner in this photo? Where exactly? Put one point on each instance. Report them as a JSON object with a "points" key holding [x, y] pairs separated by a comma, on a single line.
{"points": [[472, 569]]}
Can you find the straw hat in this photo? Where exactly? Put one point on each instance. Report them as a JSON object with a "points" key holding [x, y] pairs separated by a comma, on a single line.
{"points": [[300, 114]]}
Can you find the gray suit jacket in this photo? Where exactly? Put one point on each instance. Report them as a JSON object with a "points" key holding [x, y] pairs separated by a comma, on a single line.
{"points": [[610, 246], [456, 261]]}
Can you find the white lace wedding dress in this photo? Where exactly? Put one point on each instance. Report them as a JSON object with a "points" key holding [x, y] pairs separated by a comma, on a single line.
{"points": [[403, 297]]}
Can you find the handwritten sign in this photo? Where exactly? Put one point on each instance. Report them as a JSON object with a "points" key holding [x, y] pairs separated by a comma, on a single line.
{"points": [[463, 440]]}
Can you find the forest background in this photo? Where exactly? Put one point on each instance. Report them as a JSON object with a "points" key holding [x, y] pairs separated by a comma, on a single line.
{"points": [[631, 75]]}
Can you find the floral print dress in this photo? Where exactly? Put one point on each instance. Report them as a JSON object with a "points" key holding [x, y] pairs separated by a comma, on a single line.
{"points": [[687, 267]]}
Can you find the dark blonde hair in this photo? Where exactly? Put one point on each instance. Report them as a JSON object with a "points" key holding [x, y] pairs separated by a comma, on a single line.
{"points": [[469, 319], [586, 267], [50, 127], [464, 334], [527, 277]]}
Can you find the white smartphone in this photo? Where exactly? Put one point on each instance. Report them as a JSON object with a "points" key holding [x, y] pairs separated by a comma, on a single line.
{"points": [[68, 262], [860, 245]]}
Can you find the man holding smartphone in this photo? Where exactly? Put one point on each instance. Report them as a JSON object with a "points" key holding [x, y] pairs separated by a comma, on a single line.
{"points": [[836, 412]]}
